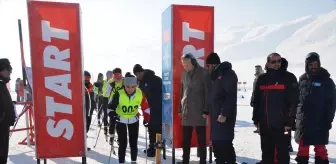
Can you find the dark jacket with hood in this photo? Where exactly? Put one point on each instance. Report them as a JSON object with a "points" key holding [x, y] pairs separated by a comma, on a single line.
{"points": [[274, 98], [151, 85], [257, 74], [223, 101], [7, 113], [295, 88], [316, 108]]}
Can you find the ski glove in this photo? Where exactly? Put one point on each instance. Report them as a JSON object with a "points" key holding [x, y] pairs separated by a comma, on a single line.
{"points": [[145, 123], [112, 114]]}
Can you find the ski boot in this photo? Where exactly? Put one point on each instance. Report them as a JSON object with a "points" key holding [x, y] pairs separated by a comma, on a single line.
{"points": [[319, 160], [99, 124], [105, 133], [290, 149], [302, 160], [111, 141], [150, 152]]}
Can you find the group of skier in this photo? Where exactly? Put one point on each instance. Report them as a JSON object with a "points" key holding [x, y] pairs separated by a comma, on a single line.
{"points": [[280, 102], [119, 98]]}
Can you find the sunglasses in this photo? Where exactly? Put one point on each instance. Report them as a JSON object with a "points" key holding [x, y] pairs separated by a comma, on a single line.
{"points": [[275, 61]]}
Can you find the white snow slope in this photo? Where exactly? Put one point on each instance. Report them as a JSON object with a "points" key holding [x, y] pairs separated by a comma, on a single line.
{"points": [[244, 46]]}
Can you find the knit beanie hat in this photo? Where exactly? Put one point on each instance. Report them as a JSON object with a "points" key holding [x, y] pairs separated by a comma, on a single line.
{"points": [[213, 58], [108, 73], [127, 74], [311, 57], [137, 68], [284, 64], [130, 80]]}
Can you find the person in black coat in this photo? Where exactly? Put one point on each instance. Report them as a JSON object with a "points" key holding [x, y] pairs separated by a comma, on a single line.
{"points": [[7, 113], [151, 85], [274, 109], [99, 95], [295, 95], [315, 112], [223, 113], [90, 103]]}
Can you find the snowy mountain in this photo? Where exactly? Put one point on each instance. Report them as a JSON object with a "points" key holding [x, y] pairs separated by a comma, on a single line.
{"points": [[246, 46]]}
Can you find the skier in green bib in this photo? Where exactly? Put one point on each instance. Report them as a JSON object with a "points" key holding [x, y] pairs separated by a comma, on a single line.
{"points": [[124, 107]]}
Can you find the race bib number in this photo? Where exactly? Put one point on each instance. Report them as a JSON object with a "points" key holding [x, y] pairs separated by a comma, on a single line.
{"points": [[129, 109]]}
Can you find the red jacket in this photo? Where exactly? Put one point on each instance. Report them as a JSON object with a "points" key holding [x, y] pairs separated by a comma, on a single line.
{"points": [[145, 108]]}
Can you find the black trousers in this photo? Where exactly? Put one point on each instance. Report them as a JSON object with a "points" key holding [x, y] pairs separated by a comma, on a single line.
{"points": [[100, 106], [289, 138], [224, 151], [133, 133], [271, 140], [112, 124], [4, 144], [201, 137], [105, 104], [89, 113], [153, 128]]}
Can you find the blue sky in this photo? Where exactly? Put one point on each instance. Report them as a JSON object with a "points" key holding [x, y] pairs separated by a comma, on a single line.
{"points": [[227, 12]]}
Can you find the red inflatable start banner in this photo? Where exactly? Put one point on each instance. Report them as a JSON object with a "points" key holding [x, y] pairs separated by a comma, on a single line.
{"points": [[55, 38], [186, 29]]}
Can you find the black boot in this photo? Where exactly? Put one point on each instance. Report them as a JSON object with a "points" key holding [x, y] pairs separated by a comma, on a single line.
{"points": [[150, 152], [319, 160], [290, 149], [302, 160], [111, 141], [105, 130]]}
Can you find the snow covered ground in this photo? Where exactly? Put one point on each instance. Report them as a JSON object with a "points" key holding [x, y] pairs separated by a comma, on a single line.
{"points": [[246, 143]]}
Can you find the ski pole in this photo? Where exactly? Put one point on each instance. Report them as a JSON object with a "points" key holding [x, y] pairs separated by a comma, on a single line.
{"points": [[146, 144], [112, 147], [110, 154], [96, 116], [97, 138]]}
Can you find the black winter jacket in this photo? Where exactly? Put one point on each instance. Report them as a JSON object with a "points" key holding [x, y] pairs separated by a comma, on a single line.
{"points": [[7, 113], [90, 103], [274, 98], [151, 85], [316, 109], [223, 101]]}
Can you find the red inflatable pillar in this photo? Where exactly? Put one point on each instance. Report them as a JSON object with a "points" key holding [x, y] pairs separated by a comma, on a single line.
{"points": [[186, 29]]}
